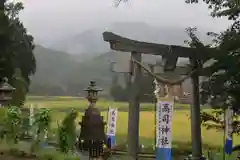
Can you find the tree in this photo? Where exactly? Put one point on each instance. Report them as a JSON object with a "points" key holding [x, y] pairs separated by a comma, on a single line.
{"points": [[118, 92], [5, 40], [229, 8], [21, 86], [221, 89], [16, 46], [22, 44], [67, 132]]}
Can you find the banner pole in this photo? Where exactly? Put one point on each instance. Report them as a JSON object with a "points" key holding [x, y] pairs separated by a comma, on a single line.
{"points": [[107, 118], [228, 132], [224, 135], [106, 129]]}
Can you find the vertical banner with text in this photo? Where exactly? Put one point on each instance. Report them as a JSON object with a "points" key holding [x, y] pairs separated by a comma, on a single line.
{"points": [[164, 111], [228, 130], [112, 125]]}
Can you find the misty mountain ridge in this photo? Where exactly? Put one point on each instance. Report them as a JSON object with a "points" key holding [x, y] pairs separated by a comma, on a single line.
{"points": [[67, 66], [91, 41]]}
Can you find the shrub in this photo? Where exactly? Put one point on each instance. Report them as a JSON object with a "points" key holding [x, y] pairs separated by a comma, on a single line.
{"points": [[13, 124], [42, 120], [67, 132]]}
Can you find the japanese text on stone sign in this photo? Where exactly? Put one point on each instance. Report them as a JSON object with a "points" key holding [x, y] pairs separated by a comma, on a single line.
{"points": [[112, 121], [164, 124]]}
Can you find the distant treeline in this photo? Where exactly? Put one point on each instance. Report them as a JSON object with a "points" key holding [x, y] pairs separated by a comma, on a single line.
{"points": [[57, 90], [116, 91]]}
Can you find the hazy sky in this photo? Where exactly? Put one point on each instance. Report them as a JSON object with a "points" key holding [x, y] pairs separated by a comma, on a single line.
{"points": [[53, 18]]}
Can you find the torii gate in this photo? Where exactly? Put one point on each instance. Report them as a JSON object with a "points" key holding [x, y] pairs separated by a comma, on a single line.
{"points": [[170, 54]]}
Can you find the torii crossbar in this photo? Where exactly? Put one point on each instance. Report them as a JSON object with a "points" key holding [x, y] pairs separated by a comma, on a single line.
{"points": [[170, 54]]}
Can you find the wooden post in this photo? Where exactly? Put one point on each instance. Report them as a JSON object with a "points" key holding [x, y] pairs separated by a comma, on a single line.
{"points": [[155, 104], [195, 115], [181, 90], [134, 105]]}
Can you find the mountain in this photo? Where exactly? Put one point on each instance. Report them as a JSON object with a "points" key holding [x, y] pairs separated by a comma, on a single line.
{"points": [[97, 68], [52, 66], [91, 41], [66, 67], [62, 71]]}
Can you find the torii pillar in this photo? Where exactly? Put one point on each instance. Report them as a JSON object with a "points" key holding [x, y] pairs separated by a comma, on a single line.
{"points": [[134, 106], [195, 114]]}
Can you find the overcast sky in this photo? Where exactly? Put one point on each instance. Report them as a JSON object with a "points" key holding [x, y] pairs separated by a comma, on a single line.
{"points": [[53, 18]]}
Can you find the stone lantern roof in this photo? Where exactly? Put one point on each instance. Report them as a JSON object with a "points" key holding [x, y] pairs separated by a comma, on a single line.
{"points": [[5, 90]]}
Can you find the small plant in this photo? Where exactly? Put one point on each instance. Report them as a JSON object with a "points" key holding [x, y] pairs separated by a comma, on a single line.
{"points": [[3, 114], [67, 132], [41, 123], [13, 125]]}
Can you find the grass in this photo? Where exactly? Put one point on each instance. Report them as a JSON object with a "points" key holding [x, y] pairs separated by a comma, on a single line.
{"points": [[80, 103], [181, 123], [181, 129], [181, 132]]}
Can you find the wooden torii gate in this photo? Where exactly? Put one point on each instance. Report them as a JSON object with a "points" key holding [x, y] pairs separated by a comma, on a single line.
{"points": [[170, 54]]}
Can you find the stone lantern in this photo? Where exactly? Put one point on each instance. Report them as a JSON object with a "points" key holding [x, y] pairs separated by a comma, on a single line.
{"points": [[92, 93], [92, 135], [5, 92]]}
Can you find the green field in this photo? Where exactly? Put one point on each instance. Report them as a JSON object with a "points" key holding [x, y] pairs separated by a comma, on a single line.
{"points": [[75, 102], [181, 121]]}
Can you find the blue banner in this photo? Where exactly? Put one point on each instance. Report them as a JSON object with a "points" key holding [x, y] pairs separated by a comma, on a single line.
{"points": [[163, 154], [111, 140], [228, 146]]}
